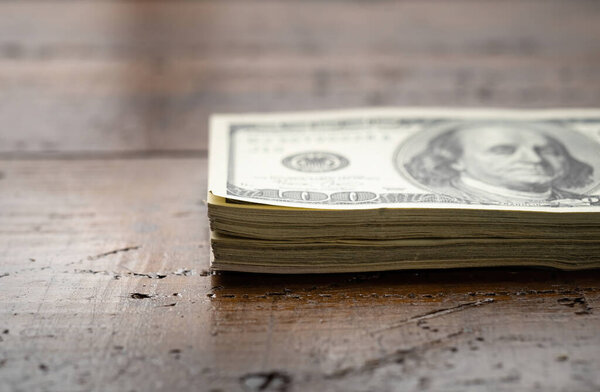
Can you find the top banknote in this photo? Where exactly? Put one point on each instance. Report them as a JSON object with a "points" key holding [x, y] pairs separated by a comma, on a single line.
{"points": [[543, 160]]}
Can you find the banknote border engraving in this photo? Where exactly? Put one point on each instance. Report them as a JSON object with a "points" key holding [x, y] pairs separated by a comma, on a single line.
{"points": [[338, 198], [358, 197]]}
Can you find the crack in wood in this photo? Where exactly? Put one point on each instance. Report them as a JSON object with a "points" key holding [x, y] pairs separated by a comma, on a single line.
{"points": [[435, 313], [587, 309], [266, 381], [115, 251], [149, 275], [140, 295], [396, 357], [521, 293], [581, 303]]}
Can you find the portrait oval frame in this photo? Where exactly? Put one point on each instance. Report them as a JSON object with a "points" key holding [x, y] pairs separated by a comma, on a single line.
{"points": [[581, 146]]}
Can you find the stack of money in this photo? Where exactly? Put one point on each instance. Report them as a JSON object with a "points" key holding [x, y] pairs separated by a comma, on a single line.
{"points": [[387, 189]]}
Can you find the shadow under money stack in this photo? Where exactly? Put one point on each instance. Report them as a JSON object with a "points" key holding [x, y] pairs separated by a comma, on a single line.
{"points": [[388, 189]]}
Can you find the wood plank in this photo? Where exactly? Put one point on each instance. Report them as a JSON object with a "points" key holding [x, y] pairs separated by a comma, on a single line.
{"points": [[148, 28], [129, 76], [78, 237]]}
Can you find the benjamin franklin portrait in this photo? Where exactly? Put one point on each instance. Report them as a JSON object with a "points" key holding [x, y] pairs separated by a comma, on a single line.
{"points": [[499, 162]]}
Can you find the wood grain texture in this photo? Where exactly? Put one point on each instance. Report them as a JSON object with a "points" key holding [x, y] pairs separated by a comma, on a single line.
{"points": [[92, 252], [130, 76]]}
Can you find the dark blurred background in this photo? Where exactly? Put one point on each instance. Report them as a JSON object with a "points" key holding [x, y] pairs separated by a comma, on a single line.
{"points": [[138, 76]]}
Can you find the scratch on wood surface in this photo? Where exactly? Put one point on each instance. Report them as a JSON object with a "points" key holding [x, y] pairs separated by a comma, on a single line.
{"points": [[436, 313], [115, 251], [396, 357], [269, 338], [45, 295]]}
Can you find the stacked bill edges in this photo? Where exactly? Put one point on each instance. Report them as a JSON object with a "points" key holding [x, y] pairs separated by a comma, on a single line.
{"points": [[271, 239]]}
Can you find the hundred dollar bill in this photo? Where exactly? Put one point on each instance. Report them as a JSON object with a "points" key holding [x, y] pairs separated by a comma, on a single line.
{"points": [[542, 160]]}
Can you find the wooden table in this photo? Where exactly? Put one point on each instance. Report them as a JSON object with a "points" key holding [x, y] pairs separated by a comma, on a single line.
{"points": [[104, 281]]}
